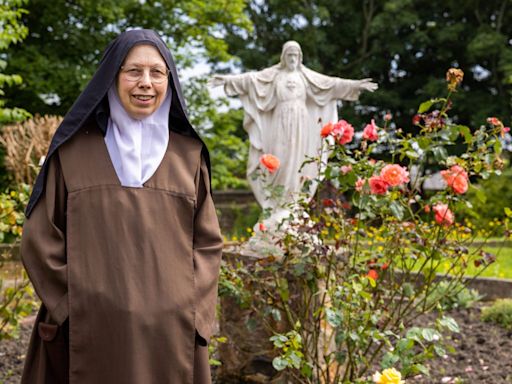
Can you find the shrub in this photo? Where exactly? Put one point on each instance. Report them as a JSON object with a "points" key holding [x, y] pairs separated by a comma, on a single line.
{"points": [[26, 144], [348, 279], [500, 313]]}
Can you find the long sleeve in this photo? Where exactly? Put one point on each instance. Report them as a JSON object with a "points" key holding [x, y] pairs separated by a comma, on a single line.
{"points": [[43, 245], [207, 254]]}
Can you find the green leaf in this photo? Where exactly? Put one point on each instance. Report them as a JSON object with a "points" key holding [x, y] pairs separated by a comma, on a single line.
{"points": [[422, 369], [397, 210], [430, 334], [425, 106], [334, 317], [440, 153], [466, 133], [497, 147], [449, 323], [508, 211], [279, 363]]}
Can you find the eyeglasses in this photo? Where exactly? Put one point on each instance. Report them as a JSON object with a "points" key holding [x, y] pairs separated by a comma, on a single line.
{"points": [[157, 74]]}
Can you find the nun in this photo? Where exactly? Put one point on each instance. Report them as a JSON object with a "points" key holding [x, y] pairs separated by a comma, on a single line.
{"points": [[121, 240]]}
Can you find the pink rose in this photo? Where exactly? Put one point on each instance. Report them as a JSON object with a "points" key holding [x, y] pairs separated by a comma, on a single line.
{"points": [[370, 132], [388, 117], [360, 184], [443, 215], [343, 132], [378, 186], [394, 174], [494, 121], [456, 178], [345, 169]]}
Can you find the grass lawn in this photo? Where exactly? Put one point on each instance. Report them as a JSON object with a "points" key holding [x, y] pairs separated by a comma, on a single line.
{"points": [[502, 267]]}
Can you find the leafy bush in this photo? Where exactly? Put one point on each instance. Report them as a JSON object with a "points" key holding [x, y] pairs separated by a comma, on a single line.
{"points": [[17, 300], [490, 199], [339, 291], [12, 205], [454, 297], [500, 313]]}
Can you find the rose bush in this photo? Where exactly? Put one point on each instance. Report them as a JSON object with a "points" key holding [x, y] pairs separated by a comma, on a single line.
{"points": [[359, 266]]}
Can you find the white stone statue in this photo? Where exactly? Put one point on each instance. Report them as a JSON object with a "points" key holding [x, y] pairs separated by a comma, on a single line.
{"points": [[285, 107]]}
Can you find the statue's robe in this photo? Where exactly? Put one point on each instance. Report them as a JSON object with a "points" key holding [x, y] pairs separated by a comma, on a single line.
{"points": [[259, 97], [127, 276]]}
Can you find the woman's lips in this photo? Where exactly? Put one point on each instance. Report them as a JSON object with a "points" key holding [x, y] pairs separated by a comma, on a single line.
{"points": [[143, 99]]}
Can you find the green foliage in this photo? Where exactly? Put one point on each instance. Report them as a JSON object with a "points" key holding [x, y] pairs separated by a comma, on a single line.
{"points": [[404, 45], [222, 133], [490, 198], [11, 32], [12, 205], [66, 39], [500, 312], [212, 349], [454, 296], [17, 300]]}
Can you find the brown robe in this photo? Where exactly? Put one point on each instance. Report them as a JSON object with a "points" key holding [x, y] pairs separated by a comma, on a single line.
{"points": [[127, 276]]}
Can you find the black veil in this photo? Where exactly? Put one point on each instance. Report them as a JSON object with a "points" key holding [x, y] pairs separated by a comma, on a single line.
{"points": [[95, 93]]}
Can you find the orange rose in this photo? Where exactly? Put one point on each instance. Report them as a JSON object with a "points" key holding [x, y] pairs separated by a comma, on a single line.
{"points": [[327, 129], [270, 162], [456, 178], [394, 174]]}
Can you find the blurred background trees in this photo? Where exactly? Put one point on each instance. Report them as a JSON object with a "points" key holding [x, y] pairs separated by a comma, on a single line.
{"points": [[404, 45]]}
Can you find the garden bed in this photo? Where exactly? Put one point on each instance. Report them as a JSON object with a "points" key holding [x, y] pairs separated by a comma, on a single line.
{"points": [[483, 354]]}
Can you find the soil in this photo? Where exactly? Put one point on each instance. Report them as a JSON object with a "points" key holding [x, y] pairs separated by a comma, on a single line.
{"points": [[483, 354]]}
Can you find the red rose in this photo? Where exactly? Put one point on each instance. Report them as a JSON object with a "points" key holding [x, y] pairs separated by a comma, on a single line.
{"points": [[372, 274], [378, 186]]}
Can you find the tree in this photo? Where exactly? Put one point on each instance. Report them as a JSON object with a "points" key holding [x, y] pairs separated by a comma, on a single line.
{"points": [[67, 37], [405, 45], [11, 32]]}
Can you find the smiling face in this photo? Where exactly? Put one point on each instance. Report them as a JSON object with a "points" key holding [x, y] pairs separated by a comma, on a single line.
{"points": [[140, 98], [291, 58]]}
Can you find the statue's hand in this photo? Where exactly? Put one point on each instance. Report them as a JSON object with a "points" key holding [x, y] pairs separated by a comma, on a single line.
{"points": [[217, 80], [368, 85]]}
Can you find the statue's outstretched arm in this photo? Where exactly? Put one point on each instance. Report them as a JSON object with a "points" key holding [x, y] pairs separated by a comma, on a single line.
{"points": [[234, 85], [217, 80], [367, 85]]}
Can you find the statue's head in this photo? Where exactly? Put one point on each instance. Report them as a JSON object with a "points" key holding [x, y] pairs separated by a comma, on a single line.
{"points": [[291, 56]]}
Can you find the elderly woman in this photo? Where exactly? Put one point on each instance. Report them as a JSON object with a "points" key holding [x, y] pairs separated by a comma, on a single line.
{"points": [[122, 242]]}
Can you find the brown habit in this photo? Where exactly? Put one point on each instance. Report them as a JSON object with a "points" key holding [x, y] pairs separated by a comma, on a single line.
{"points": [[132, 272]]}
